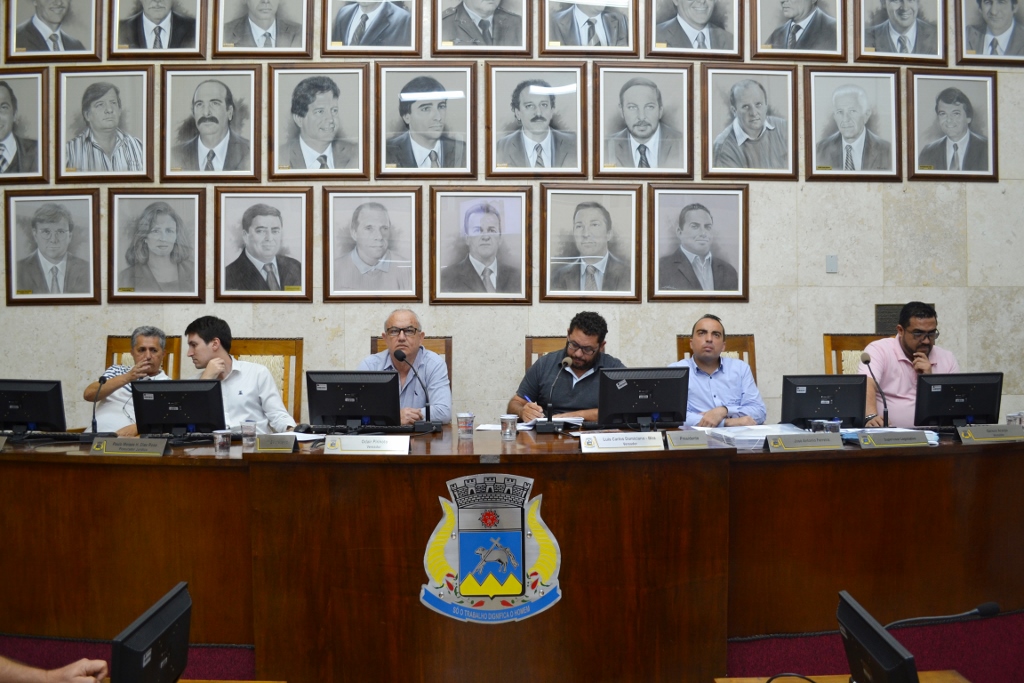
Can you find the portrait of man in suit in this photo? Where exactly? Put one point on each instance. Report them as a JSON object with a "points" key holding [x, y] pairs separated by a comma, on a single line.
{"points": [[960, 148], [481, 23], [51, 269], [853, 147], [589, 26], [647, 141], [425, 144], [904, 32], [372, 24], [261, 28], [18, 154], [693, 267], [753, 138], [693, 27], [996, 35], [215, 147], [372, 265], [261, 267], [536, 144], [156, 26], [594, 268], [44, 32], [806, 27], [482, 270], [317, 142]]}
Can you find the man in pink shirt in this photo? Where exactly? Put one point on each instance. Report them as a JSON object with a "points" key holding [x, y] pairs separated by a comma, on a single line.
{"points": [[897, 361]]}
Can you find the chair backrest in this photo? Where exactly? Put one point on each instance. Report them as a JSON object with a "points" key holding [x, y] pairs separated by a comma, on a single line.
{"points": [[283, 357], [119, 352], [739, 346], [842, 351], [538, 346], [442, 346]]}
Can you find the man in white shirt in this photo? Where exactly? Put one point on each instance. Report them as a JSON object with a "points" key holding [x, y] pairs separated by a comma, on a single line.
{"points": [[115, 411]]}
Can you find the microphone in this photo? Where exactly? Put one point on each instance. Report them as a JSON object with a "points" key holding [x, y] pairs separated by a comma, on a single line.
{"points": [[95, 401], [427, 425], [982, 611], [865, 358], [550, 427]]}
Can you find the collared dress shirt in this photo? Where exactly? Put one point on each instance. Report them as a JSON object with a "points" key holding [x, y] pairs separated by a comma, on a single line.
{"points": [[117, 409], [249, 393], [434, 373], [898, 379], [731, 385]]}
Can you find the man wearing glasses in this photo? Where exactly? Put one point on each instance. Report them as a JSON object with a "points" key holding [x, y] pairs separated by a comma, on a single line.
{"points": [[403, 331], [576, 394], [51, 268], [115, 411], [897, 361]]}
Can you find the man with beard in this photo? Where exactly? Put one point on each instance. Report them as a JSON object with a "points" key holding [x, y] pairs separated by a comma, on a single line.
{"points": [[17, 154], [318, 144], [960, 149], [156, 27], [103, 147], [903, 32], [754, 139], [218, 147], [481, 271], [691, 28], [424, 144], [536, 144], [575, 395], [262, 28], [371, 266], [646, 141], [51, 269], [998, 35], [42, 33], [806, 27], [481, 23], [853, 147], [692, 267], [897, 361], [595, 268], [260, 268]]}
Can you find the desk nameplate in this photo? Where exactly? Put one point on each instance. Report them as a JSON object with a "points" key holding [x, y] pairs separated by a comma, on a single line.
{"points": [[389, 444], [614, 442], [3, 441], [816, 441], [991, 433], [892, 439], [686, 440], [143, 447], [276, 443]]}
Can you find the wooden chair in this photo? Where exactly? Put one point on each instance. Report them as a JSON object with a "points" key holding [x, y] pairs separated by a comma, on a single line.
{"points": [[119, 352], [739, 346], [538, 346], [842, 351], [283, 357], [442, 346]]}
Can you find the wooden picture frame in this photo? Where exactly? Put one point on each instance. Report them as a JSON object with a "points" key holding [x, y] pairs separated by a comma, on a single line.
{"points": [[977, 23], [238, 24], [24, 113], [78, 32], [720, 22], [394, 31], [822, 37], [132, 31], [615, 27], [883, 29], [508, 24]]}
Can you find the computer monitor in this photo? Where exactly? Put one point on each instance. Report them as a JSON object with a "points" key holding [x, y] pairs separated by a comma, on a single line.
{"points": [[353, 399], [31, 405], [154, 649], [178, 406], [958, 400], [642, 397], [824, 397], [873, 654]]}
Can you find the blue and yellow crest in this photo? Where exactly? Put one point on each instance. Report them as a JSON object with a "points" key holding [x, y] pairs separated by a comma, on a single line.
{"points": [[491, 558]]}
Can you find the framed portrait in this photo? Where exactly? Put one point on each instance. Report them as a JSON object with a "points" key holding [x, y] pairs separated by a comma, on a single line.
{"points": [[103, 123], [987, 32], [53, 247], [372, 244], [643, 120], [584, 27], [24, 126], [267, 29], [590, 243], [53, 31], [319, 120], [899, 30], [470, 27], [391, 28], [952, 125], [689, 28], [535, 119], [480, 245], [697, 243], [157, 246], [211, 124], [798, 29], [425, 120], [164, 29], [263, 245], [749, 122], [853, 124]]}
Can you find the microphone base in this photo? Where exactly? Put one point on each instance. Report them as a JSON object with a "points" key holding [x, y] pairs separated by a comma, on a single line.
{"points": [[425, 427], [549, 427]]}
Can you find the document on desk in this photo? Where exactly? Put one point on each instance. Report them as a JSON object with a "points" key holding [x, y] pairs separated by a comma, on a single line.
{"points": [[749, 438]]}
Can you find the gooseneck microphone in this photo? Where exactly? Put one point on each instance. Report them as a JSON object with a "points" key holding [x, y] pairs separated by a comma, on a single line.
{"points": [[95, 401], [549, 427], [982, 611], [865, 358], [426, 425]]}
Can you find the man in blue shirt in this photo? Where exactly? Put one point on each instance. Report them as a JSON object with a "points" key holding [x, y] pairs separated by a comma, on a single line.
{"points": [[722, 390]]}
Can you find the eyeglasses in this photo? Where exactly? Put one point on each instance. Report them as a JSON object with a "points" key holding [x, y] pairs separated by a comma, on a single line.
{"points": [[46, 233], [395, 331], [918, 335], [585, 350]]}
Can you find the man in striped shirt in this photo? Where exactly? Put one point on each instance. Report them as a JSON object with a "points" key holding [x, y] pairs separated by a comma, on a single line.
{"points": [[103, 147]]}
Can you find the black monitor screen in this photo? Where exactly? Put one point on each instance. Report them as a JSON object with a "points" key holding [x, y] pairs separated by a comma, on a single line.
{"points": [[873, 654], [636, 396], [154, 649], [353, 399], [178, 406], [31, 405], [958, 400], [824, 397]]}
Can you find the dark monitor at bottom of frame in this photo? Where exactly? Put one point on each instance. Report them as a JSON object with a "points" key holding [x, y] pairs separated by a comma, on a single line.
{"points": [[958, 400], [873, 654], [31, 405], [154, 648], [178, 406], [641, 396], [354, 398], [824, 397]]}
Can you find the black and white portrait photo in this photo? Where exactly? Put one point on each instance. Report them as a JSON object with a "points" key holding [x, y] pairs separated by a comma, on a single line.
{"points": [[156, 246], [992, 31], [318, 116], [749, 122], [714, 27], [372, 245], [481, 246], [697, 242], [808, 29], [265, 28], [425, 119], [644, 120], [474, 26], [263, 245], [952, 123], [890, 30], [52, 30], [157, 28], [372, 27], [589, 26], [210, 123], [52, 247], [854, 122], [23, 134], [104, 123], [590, 244]]}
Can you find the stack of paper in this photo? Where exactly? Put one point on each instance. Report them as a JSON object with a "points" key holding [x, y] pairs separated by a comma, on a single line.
{"points": [[744, 438]]}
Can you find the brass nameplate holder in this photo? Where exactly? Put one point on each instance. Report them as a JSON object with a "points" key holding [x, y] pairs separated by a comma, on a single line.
{"points": [[991, 433], [381, 444], [686, 440], [816, 441], [148, 447], [614, 442], [3, 441], [276, 443], [892, 439]]}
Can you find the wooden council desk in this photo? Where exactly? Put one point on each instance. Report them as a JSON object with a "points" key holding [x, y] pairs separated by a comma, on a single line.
{"points": [[318, 560], [923, 677]]}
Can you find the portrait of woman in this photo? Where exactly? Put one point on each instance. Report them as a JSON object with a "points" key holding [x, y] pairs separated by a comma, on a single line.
{"points": [[159, 258]]}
